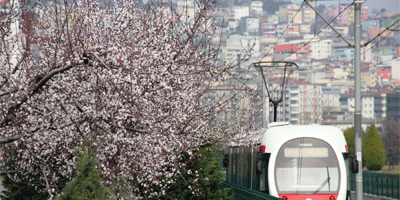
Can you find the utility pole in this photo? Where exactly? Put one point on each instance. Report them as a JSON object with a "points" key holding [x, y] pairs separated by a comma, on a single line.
{"points": [[357, 84], [357, 87]]}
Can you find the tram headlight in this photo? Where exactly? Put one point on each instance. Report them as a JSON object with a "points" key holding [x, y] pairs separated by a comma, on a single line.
{"points": [[331, 198], [284, 198]]}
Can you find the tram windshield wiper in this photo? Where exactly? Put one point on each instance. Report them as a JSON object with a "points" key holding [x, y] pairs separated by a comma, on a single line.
{"points": [[324, 183]]}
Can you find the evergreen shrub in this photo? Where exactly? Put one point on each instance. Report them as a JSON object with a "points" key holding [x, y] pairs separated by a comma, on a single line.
{"points": [[373, 150]]}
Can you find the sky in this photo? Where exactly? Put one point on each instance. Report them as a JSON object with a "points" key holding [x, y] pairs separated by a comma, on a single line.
{"points": [[389, 5]]}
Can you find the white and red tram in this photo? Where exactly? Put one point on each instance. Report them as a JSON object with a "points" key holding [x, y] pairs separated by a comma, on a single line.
{"points": [[299, 162]]}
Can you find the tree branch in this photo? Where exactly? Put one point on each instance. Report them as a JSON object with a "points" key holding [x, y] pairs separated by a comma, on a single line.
{"points": [[9, 92], [47, 182], [9, 139], [48, 76], [11, 111], [4, 82], [98, 59], [25, 183], [5, 140], [126, 127]]}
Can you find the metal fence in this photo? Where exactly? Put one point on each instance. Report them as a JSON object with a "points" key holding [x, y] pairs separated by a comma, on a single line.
{"points": [[243, 181], [379, 184], [243, 193]]}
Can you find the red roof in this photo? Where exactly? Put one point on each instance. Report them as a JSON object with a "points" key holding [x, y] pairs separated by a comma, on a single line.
{"points": [[285, 48]]}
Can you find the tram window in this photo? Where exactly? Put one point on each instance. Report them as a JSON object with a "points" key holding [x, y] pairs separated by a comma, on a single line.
{"points": [[249, 170], [262, 165], [225, 161], [307, 166], [232, 167], [235, 169]]}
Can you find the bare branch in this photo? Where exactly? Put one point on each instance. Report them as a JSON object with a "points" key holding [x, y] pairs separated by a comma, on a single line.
{"points": [[10, 139], [47, 182]]}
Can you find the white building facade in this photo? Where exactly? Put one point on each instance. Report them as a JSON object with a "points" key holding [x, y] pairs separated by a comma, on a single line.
{"points": [[237, 44], [320, 49], [302, 104], [240, 11], [256, 8]]}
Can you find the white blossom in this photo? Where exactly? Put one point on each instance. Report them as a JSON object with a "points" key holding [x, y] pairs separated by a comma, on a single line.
{"points": [[140, 98]]}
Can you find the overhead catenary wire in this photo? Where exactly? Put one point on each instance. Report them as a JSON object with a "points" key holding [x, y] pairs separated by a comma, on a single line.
{"points": [[364, 51], [372, 46], [291, 22], [329, 24], [311, 40], [382, 39]]}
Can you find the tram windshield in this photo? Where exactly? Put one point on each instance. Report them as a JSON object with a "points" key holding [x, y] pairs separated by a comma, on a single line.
{"points": [[307, 166]]}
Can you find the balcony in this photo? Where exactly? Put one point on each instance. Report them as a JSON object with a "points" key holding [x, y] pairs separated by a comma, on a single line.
{"points": [[294, 91], [295, 98]]}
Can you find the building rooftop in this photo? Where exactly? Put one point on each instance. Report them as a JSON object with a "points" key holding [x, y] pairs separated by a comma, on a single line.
{"points": [[375, 91], [363, 120]]}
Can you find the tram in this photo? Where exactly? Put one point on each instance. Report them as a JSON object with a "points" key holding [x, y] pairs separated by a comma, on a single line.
{"points": [[293, 162]]}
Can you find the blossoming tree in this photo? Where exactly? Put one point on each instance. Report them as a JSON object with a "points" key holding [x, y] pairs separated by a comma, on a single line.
{"points": [[129, 77]]}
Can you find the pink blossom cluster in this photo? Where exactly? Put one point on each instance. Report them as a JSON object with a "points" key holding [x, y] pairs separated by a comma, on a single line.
{"points": [[130, 78]]}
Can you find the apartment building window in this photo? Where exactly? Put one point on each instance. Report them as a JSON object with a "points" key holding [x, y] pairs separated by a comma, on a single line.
{"points": [[378, 105], [294, 95]]}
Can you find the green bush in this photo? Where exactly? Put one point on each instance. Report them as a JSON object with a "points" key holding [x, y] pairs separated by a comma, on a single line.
{"points": [[86, 183], [373, 150], [349, 136], [201, 178], [28, 186], [18, 191]]}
